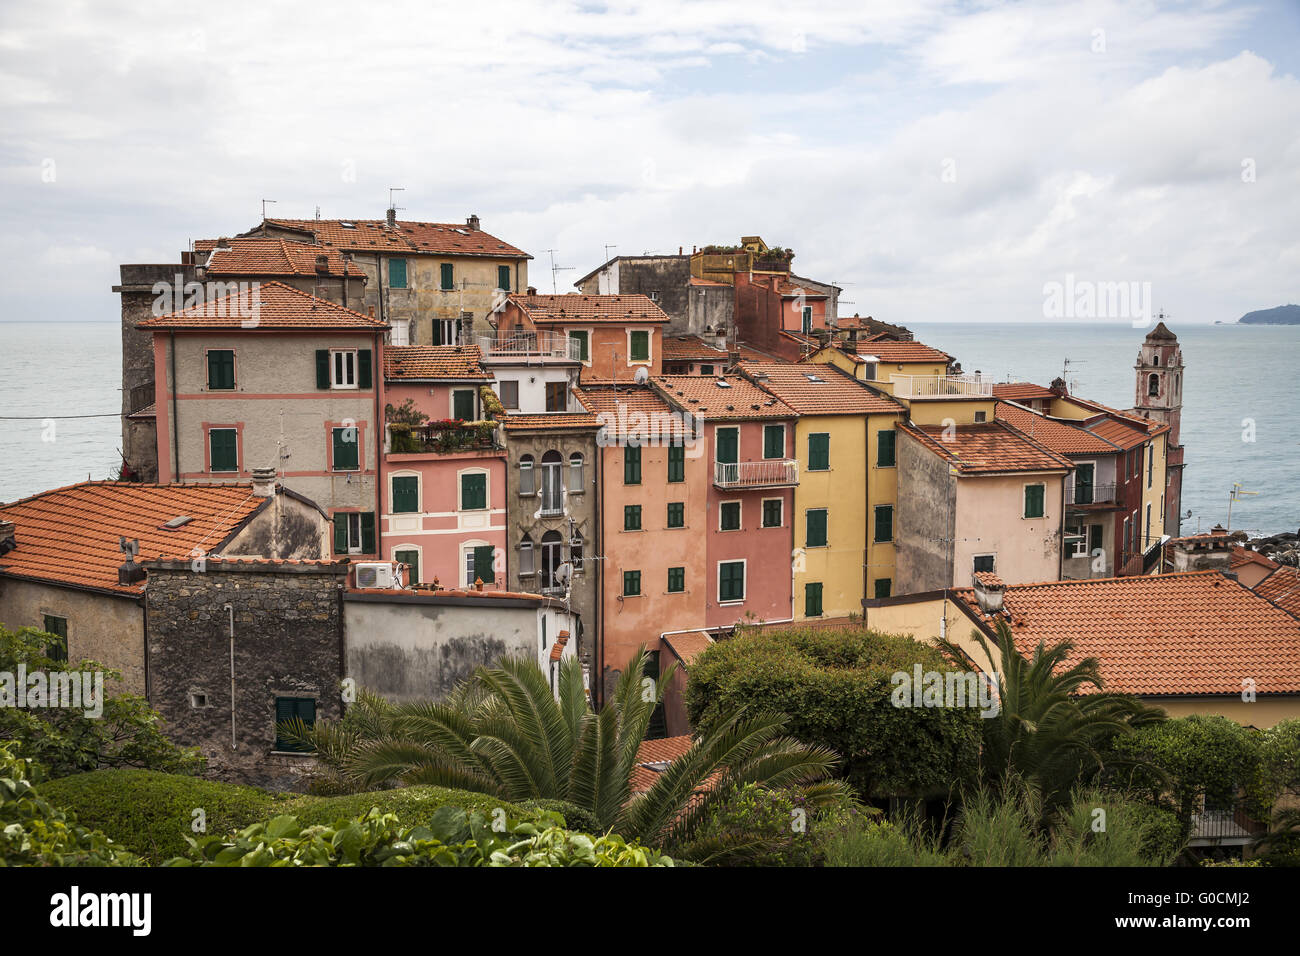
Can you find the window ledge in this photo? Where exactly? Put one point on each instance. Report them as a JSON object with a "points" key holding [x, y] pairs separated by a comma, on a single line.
{"points": [[731, 603]]}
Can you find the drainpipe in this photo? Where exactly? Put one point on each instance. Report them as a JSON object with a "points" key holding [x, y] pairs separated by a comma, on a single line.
{"points": [[598, 625], [377, 379], [230, 610], [176, 442]]}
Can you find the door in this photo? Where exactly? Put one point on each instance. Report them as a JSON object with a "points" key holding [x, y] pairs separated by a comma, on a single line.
{"points": [[412, 560], [728, 442], [1083, 483], [552, 500], [555, 396]]}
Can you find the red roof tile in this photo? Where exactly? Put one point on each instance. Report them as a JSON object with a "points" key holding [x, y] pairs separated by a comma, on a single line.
{"points": [[987, 448], [247, 256], [1021, 392], [539, 422], [1282, 587], [819, 389], [705, 398], [632, 410], [427, 362], [901, 352], [692, 348], [272, 305], [686, 647], [576, 308], [1063, 437], [1119, 433], [412, 238], [663, 751], [1243, 556]]}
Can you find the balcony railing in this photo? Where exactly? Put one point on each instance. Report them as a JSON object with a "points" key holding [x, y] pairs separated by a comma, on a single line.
{"points": [[942, 386], [441, 438], [1108, 494], [528, 346], [772, 473], [1225, 826]]}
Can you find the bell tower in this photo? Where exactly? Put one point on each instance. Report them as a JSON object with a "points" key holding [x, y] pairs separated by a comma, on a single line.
{"points": [[1159, 394]]}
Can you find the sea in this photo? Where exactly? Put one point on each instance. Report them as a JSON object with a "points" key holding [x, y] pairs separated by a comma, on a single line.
{"points": [[1241, 393]]}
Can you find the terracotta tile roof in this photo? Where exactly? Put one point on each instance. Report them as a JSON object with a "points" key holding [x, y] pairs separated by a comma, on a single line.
{"points": [[424, 362], [833, 392], [625, 410], [557, 649], [459, 593], [702, 396], [1282, 587], [1152, 427], [711, 283], [901, 352], [789, 290], [69, 536], [1058, 435], [574, 307], [663, 751], [986, 448], [692, 348], [1243, 556], [583, 420], [278, 306], [410, 238], [686, 647], [1119, 433], [1193, 633], [1021, 391], [247, 256], [149, 411]]}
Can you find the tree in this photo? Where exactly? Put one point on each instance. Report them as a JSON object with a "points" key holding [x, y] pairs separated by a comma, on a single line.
{"points": [[63, 740], [504, 733], [1055, 723]]}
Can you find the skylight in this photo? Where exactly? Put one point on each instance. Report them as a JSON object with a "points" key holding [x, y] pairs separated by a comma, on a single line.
{"points": [[177, 522]]}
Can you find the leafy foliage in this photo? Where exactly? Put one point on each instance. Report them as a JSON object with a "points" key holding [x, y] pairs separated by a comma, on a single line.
{"points": [[65, 741], [836, 687], [451, 838]]}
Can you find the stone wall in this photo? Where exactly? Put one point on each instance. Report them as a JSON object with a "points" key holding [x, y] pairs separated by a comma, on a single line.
{"points": [[288, 642], [923, 519]]}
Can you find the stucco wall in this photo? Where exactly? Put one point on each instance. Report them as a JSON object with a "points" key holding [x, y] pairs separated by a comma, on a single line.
{"points": [[990, 520], [923, 520]]}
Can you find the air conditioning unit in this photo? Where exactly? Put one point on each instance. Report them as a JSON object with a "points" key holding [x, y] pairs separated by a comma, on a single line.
{"points": [[378, 574]]}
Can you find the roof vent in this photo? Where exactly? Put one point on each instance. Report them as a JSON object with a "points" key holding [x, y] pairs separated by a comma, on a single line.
{"points": [[348, 225], [322, 263], [178, 522], [722, 383], [988, 591]]}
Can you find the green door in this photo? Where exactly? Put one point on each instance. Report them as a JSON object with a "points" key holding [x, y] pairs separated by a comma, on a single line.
{"points": [[462, 405], [728, 441]]}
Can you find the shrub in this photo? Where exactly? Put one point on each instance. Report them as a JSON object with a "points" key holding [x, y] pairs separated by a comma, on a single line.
{"points": [[836, 686], [575, 817]]}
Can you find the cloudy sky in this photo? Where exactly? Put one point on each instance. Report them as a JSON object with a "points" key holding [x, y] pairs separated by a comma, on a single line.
{"points": [[939, 160]]}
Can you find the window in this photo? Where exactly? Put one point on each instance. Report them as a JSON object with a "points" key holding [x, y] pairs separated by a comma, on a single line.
{"points": [[397, 273], [807, 319], [631, 517], [773, 441], [812, 600], [406, 494], [772, 513], [1094, 538], [631, 466], [631, 583], [1084, 474], [676, 462], [444, 332], [462, 404], [223, 449], [579, 346], [527, 476], [1034, 500], [729, 516], [706, 369], [448, 277], [411, 559], [575, 551], [526, 563], [400, 333], [984, 562], [473, 491], [1153, 385], [552, 491], [577, 484], [883, 587], [815, 535], [509, 393], [731, 581], [885, 448], [557, 396], [727, 445], [639, 346], [654, 295], [1147, 540], [289, 709], [1151, 463], [676, 580], [344, 365], [884, 523], [347, 449], [221, 369], [503, 278], [551, 559], [58, 626], [354, 532], [981, 417], [480, 565], [676, 514], [819, 451]]}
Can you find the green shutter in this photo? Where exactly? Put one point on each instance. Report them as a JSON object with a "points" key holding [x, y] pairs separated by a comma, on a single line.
{"points": [[772, 513], [364, 362], [883, 587], [631, 517], [730, 517], [473, 492], [812, 600], [676, 514], [462, 404], [640, 347], [503, 278], [341, 533], [397, 273], [676, 579], [221, 369], [347, 454], [884, 523], [367, 532], [448, 277], [484, 558], [731, 581], [885, 448], [287, 709], [1033, 501], [631, 466], [727, 442], [816, 533], [223, 449], [819, 451], [807, 319], [631, 583], [581, 339], [322, 368], [773, 441], [411, 558], [406, 494], [676, 462]]}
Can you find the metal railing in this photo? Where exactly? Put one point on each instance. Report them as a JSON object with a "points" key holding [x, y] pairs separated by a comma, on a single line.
{"points": [[942, 386], [530, 345], [1225, 825], [440, 438], [770, 473], [1106, 494]]}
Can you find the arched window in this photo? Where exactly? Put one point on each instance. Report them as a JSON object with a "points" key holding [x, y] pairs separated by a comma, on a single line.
{"points": [[551, 558], [527, 565], [575, 551], [527, 478], [1153, 385], [552, 498], [1155, 359], [576, 480]]}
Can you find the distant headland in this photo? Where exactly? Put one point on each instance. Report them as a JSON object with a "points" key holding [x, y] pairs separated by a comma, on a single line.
{"points": [[1282, 315]]}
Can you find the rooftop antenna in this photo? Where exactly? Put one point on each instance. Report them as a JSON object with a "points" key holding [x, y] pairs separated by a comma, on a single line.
{"points": [[609, 246], [394, 189], [555, 269], [1236, 494], [264, 202], [1065, 373]]}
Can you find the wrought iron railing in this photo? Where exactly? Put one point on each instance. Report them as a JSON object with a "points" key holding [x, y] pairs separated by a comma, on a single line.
{"points": [[756, 474]]}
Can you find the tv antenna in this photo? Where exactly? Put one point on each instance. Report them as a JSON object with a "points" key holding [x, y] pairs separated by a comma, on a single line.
{"points": [[1236, 494], [264, 202], [391, 190], [555, 270], [609, 246]]}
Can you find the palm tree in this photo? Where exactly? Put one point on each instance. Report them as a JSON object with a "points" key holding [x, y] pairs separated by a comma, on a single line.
{"points": [[1051, 733], [504, 733]]}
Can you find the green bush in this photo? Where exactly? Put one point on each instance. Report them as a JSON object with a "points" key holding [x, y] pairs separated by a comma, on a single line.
{"points": [[836, 687], [451, 838], [575, 817]]}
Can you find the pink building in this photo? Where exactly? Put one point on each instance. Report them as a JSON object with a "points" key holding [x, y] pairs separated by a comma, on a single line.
{"points": [[749, 453], [443, 504]]}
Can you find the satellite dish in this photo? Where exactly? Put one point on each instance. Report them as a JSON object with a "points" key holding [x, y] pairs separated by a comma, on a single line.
{"points": [[642, 374], [563, 574]]}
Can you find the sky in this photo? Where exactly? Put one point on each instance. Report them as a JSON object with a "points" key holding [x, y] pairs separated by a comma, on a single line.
{"points": [[941, 161]]}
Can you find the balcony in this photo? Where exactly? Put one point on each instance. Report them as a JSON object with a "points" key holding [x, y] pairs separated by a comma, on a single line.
{"points": [[441, 438], [942, 386], [1108, 495], [772, 473], [1227, 826], [529, 347]]}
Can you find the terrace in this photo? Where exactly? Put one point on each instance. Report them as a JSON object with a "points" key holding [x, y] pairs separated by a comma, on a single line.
{"points": [[441, 438], [942, 386], [529, 347], [772, 473]]}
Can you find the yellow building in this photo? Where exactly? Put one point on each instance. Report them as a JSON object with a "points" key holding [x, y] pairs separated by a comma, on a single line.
{"points": [[845, 500]]}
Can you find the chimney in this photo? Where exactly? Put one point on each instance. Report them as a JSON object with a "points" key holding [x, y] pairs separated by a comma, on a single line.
{"points": [[472, 222], [989, 591], [532, 290], [322, 264], [8, 539], [129, 572], [263, 482], [392, 217], [1203, 552], [1058, 386]]}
